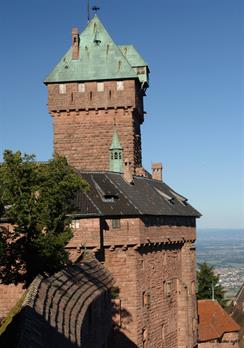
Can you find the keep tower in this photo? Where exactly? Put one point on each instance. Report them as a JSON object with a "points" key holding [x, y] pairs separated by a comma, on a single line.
{"points": [[95, 88]]}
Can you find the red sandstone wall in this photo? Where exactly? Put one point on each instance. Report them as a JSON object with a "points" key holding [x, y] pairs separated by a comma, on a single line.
{"points": [[86, 232], [154, 264], [122, 264], [157, 270], [9, 295], [132, 231], [93, 99], [83, 126], [84, 138], [187, 305]]}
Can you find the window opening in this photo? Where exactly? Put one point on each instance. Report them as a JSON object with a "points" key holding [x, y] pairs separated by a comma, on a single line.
{"points": [[81, 87], [163, 333], [120, 85], [146, 299], [167, 288], [62, 88], [115, 223], [100, 86]]}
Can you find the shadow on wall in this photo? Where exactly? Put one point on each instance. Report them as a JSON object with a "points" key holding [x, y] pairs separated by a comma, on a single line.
{"points": [[73, 308], [29, 329], [63, 310], [120, 340]]}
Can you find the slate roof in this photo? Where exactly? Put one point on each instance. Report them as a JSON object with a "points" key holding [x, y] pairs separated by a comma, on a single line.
{"points": [[100, 59], [214, 321], [111, 195]]}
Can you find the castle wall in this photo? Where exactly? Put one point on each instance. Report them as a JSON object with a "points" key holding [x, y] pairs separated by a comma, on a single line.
{"points": [[70, 309], [131, 231], [84, 122], [153, 266], [9, 295], [154, 269], [187, 304]]}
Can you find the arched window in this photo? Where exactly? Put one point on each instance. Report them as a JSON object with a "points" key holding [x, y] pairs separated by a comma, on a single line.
{"points": [[116, 155], [120, 155], [112, 157]]}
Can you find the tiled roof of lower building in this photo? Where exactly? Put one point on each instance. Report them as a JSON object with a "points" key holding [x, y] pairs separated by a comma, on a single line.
{"points": [[111, 195], [214, 321]]}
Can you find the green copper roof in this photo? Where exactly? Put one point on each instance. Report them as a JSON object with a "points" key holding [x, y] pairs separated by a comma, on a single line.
{"points": [[133, 57], [100, 58], [115, 142], [136, 61]]}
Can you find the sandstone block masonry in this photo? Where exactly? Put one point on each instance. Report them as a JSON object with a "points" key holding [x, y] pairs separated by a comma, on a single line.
{"points": [[86, 115], [154, 269]]}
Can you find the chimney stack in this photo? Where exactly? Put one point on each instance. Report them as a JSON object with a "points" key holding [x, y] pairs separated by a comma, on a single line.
{"points": [[128, 177], [157, 171], [75, 44]]}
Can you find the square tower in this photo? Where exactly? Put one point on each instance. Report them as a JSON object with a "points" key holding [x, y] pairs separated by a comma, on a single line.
{"points": [[96, 87]]}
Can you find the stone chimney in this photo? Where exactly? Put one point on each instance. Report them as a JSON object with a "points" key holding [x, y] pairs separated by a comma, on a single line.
{"points": [[128, 177], [157, 171], [75, 44]]}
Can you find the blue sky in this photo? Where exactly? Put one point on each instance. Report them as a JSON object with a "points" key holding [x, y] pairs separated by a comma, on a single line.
{"points": [[194, 105]]}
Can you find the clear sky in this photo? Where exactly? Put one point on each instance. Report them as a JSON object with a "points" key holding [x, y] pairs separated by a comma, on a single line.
{"points": [[194, 105]]}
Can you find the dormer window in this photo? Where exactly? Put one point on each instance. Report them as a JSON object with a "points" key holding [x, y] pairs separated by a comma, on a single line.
{"points": [[110, 198], [62, 88], [180, 198], [100, 87], [165, 196]]}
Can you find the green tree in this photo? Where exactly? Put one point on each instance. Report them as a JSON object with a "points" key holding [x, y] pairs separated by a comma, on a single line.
{"points": [[36, 198], [208, 284]]}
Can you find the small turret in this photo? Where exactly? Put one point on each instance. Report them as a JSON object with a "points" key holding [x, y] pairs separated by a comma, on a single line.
{"points": [[116, 155]]}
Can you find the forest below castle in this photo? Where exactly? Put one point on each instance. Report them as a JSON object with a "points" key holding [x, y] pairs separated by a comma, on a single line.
{"points": [[223, 248]]}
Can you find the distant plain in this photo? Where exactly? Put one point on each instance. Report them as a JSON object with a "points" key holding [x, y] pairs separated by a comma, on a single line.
{"points": [[223, 249]]}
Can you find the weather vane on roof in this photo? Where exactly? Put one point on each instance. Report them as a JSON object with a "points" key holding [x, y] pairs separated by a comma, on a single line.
{"points": [[94, 9]]}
